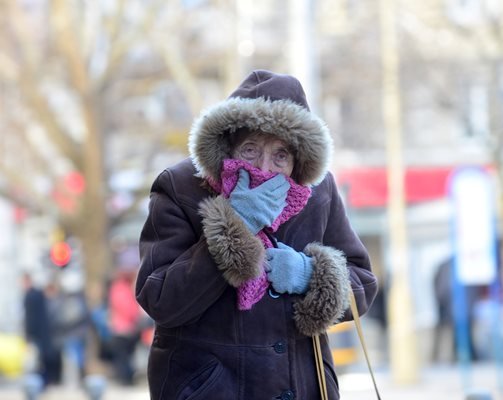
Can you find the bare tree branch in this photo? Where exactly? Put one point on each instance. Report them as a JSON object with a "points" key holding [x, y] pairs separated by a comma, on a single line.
{"points": [[27, 82], [21, 191], [68, 45], [169, 48], [121, 48], [113, 24], [39, 108], [173, 58]]}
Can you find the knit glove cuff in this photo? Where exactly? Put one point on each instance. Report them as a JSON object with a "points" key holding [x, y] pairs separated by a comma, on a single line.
{"points": [[304, 275]]}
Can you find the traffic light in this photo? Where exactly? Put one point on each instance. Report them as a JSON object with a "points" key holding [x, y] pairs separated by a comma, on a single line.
{"points": [[60, 254]]}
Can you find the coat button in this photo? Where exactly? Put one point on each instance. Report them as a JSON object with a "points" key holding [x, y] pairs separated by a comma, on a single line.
{"points": [[279, 347], [287, 395]]}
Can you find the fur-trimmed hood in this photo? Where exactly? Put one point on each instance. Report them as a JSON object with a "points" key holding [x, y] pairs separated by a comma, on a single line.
{"points": [[271, 103]]}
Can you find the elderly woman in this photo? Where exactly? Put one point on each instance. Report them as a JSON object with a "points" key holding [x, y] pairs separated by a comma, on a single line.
{"points": [[247, 253]]}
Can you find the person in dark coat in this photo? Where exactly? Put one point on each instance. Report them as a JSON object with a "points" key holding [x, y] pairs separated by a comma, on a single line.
{"points": [[38, 330], [247, 252], [71, 326]]}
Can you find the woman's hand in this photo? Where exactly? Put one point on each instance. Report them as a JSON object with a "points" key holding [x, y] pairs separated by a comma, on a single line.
{"points": [[288, 270], [259, 207]]}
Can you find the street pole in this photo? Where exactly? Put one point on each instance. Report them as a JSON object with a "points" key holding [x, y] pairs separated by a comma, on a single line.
{"points": [[402, 340], [232, 71], [302, 53]]}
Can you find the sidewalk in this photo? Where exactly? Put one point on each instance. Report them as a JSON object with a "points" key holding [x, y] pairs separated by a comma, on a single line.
{"points": [[435, 383], [61, 393]]}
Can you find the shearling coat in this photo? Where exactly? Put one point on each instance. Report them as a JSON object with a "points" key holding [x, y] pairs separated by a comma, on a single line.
{"points": [[195, 252]]}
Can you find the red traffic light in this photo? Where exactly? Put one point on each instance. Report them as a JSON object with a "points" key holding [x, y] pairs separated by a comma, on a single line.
{"points": [[61, 254]]}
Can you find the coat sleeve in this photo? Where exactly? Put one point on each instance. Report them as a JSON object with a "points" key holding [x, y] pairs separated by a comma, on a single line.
{"points": [[237, 252], [178, 279], [341, 263]]}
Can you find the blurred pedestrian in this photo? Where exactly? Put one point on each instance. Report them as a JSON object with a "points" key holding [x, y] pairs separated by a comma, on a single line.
{"points": [[247, 252], [38, 330], [71, 328], [445, 329], [125, 316], [54, 307], [101, 324]]}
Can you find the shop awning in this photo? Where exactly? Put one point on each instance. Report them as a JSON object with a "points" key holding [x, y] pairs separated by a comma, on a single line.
{"points": [[368, 187]]}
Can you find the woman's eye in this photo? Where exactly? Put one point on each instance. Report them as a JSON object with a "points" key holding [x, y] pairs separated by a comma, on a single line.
{"points": [[249, 151], [282, 157]]}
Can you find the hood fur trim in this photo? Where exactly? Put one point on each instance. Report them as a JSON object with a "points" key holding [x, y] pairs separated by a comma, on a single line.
{"points": [[237, 252], [307, 134], [328, 296]]}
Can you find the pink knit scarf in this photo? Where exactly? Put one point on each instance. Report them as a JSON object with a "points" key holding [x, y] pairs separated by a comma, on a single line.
{"points": [[253, 290]]}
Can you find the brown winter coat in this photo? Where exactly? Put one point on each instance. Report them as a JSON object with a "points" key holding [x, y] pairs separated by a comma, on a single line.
{"points": [[195, 251]]}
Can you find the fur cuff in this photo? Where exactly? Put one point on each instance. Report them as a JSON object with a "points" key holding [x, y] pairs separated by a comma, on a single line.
{"points": [[237, 252], [328, 294]]}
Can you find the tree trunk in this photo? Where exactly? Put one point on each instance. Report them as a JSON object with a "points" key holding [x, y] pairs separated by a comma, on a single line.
{"points": [[94, 234]]}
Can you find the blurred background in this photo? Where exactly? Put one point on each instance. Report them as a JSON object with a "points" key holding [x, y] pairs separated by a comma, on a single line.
{"points": [[97, 98]]}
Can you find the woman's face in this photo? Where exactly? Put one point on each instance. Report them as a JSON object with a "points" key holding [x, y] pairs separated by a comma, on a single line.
{"points": [[265, 152]]}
